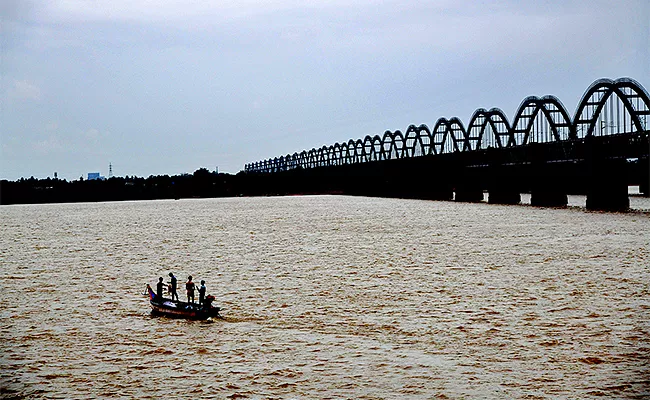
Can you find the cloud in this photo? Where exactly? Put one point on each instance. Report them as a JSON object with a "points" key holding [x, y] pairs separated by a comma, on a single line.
{"points": [[24, 91], [171, 10], [459, 29], [15, 9], [280, 76], [49, 140], [54, 139], [92, 134], [48, 145]]}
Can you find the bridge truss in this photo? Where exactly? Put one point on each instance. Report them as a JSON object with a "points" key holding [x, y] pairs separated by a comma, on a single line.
{"points": [[608, 107]]}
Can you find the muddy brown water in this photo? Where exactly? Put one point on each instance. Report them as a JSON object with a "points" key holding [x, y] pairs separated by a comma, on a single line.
{"points": [[327, 297]]}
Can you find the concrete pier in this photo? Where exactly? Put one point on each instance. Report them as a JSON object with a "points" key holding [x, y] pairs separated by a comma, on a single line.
{"points": [[608, 189], [468, 194], [548, 193], [544, 198], [504, 196]]}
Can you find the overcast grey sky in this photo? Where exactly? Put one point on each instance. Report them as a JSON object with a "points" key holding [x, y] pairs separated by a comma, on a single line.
{"points": [[170, 86]]}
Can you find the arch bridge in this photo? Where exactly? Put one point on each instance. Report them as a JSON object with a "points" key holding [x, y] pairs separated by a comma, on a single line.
{"points": [[599, 151]]}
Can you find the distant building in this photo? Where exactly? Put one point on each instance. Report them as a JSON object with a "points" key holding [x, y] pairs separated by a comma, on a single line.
{"points": [[94, 176]]}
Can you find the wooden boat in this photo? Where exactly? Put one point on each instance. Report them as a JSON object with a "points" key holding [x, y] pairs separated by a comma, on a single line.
{"points": [[181, 309]]}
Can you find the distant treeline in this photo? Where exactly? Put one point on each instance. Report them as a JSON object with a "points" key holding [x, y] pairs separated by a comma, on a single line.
{"points": [[202, 183]]}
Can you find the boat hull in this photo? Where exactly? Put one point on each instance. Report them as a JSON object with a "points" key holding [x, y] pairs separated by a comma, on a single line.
{"points": [[183, 310]]}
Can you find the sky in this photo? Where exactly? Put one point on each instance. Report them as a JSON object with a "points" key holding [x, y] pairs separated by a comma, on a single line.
{"points": [[164, 87]]}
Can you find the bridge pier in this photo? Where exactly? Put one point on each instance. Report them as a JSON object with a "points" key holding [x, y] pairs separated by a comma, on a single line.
{"points": [[608, 189], [644, 186], [415, 189], [501, 195], [608, 196], [548, 193], [548, 184], [543, 197], [443, 192], [468, 193]]}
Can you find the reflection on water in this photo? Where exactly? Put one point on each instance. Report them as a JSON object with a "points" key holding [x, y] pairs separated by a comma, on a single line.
{"points": [[327, 297]]}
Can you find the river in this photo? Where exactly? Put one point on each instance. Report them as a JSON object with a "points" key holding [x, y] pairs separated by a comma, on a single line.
{"points": [[327, 297]]}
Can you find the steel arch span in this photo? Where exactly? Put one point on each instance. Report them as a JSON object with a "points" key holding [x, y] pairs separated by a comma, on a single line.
{"points": [[393, 145], [367, 149], [417, 141], [488, 129], [607, 107], [540, 121], [448, 136], [377, 152], [611, 107]]}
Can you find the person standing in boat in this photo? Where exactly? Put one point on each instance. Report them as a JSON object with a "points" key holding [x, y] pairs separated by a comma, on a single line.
{"points": [[191, 287], [174, 285], [159, 290], [202, 290]]}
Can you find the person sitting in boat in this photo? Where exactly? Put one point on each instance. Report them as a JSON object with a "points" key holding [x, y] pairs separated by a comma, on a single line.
{"points": [[202, 290], [159, 290], [208, 302], [172, 289], [191, 287]]}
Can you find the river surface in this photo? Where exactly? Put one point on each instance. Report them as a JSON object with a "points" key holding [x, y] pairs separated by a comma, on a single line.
{"points": [[327, 297]]}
